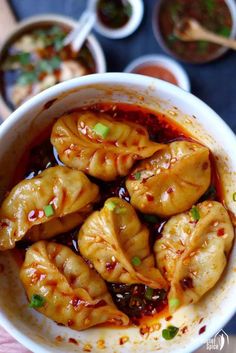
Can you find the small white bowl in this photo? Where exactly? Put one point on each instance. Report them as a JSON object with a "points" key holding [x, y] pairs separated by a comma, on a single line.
{"points": [[165, 62], [126, 30]]}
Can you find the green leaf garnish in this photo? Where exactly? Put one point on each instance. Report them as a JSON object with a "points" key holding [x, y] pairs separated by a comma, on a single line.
{"points": [[36, 301], [111, 205], [224, 31], [195, 213], [24, 58], [150, 218], [27, 78], [174, 304], [48, 66], [137, 175], [149, 293], [170, 332], [101, 130], [49, 211], [136, 261]]}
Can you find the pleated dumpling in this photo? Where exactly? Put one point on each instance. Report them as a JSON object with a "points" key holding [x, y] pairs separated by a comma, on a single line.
{"points": [[172, 180], [192, 252], [100, 146], [70, 292], [56, 192], [117, 244]]}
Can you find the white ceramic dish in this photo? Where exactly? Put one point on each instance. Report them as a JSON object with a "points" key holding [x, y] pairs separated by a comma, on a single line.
{"points": [[165, 62], [156, 30], [94, 45], [128, 29], [39, 333]]}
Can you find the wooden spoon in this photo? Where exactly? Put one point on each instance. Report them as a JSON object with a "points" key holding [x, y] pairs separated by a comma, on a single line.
{"points": [[190, 30]]}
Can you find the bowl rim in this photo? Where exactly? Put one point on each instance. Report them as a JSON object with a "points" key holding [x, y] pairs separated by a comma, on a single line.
{"points": [[159, 38], [94, 45], [164, 61], [119, 79], [125, 31]]}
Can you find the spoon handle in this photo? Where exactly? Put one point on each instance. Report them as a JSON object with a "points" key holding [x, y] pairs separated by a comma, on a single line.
{"points": [[78, 36], [214, 38], [7, 20]]}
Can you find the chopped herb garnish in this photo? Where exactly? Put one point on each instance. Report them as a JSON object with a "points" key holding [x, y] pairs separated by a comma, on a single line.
{"points": [[48, 66], [136, 261], [234, 196], [49, 211], [137, 175], [195, 213], [27, 78], [111, 205], [101, 130], [174, 304], [36, 301], [24, 58], [149, 293], [170, 332], [224, 31], [150, 218], [120, 210]]}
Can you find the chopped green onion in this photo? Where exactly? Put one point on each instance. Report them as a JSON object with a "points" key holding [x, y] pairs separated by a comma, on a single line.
{"points": [[48, 210], [27, 78], [195, 213], [137, 175], [174, 304], [101, 130], [36, 301], [120, 210], [234, 196], [24, 58], [111, 205], [149, 293], [170, 332], [136, 261], [150, 218]]}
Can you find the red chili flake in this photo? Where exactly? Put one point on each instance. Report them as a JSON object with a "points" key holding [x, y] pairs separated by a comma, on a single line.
{"points": [[1, 268], [72, 340], [32, 215], [168, 318], [169, 190], [184, 329], [132, 177], [186, 283], [76, 301], [3, 224], [123, 340], [220, 232], [202, 330], [149, 197], [201, 320], [70, 323], [59, 339], [144, 329], [110, 266]]}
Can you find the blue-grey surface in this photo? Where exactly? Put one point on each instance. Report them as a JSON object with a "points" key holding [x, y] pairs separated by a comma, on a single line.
{"points": [[214, 83]]}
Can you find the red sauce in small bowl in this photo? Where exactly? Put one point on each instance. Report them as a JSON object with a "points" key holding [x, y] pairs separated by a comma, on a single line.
{"points": [[157, 71]]}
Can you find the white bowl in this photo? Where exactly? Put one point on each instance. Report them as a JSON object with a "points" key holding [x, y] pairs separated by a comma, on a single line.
{"points": [[171, 65], [128, 28], [39, 333], [93, 44]]}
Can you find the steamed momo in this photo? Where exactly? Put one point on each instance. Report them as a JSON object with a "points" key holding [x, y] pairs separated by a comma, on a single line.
{"points": [[172, 180], [193, 254], [74, 295], [67, 190], [105, 157], [113, 239]]}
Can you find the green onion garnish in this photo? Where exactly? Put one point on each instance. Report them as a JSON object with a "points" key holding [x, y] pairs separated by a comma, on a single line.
{"points": [[195, 213], [170, 332], [36, 301], [149, 293], [101, 130], [120, 210], [150, 218], [136, 261], [174, 304], [111, 205], [234, 196], [137, 175], [49, 211]]}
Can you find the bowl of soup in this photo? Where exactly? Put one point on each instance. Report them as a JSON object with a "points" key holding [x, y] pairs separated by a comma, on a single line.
{"points": [[216, 16], [33, 58], [117, 218]]}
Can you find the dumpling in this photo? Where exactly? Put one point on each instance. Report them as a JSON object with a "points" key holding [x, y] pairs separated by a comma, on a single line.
{"points": [[56, 192], [100, 146], [172, 180], [117, 244], [192, 252], [73, 294]]}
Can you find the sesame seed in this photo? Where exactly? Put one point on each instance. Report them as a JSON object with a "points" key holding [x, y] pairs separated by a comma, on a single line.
{"points": [[113, 259]]}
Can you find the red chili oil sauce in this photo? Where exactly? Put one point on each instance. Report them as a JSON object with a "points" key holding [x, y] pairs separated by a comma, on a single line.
{"points": [[157, 71]]}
